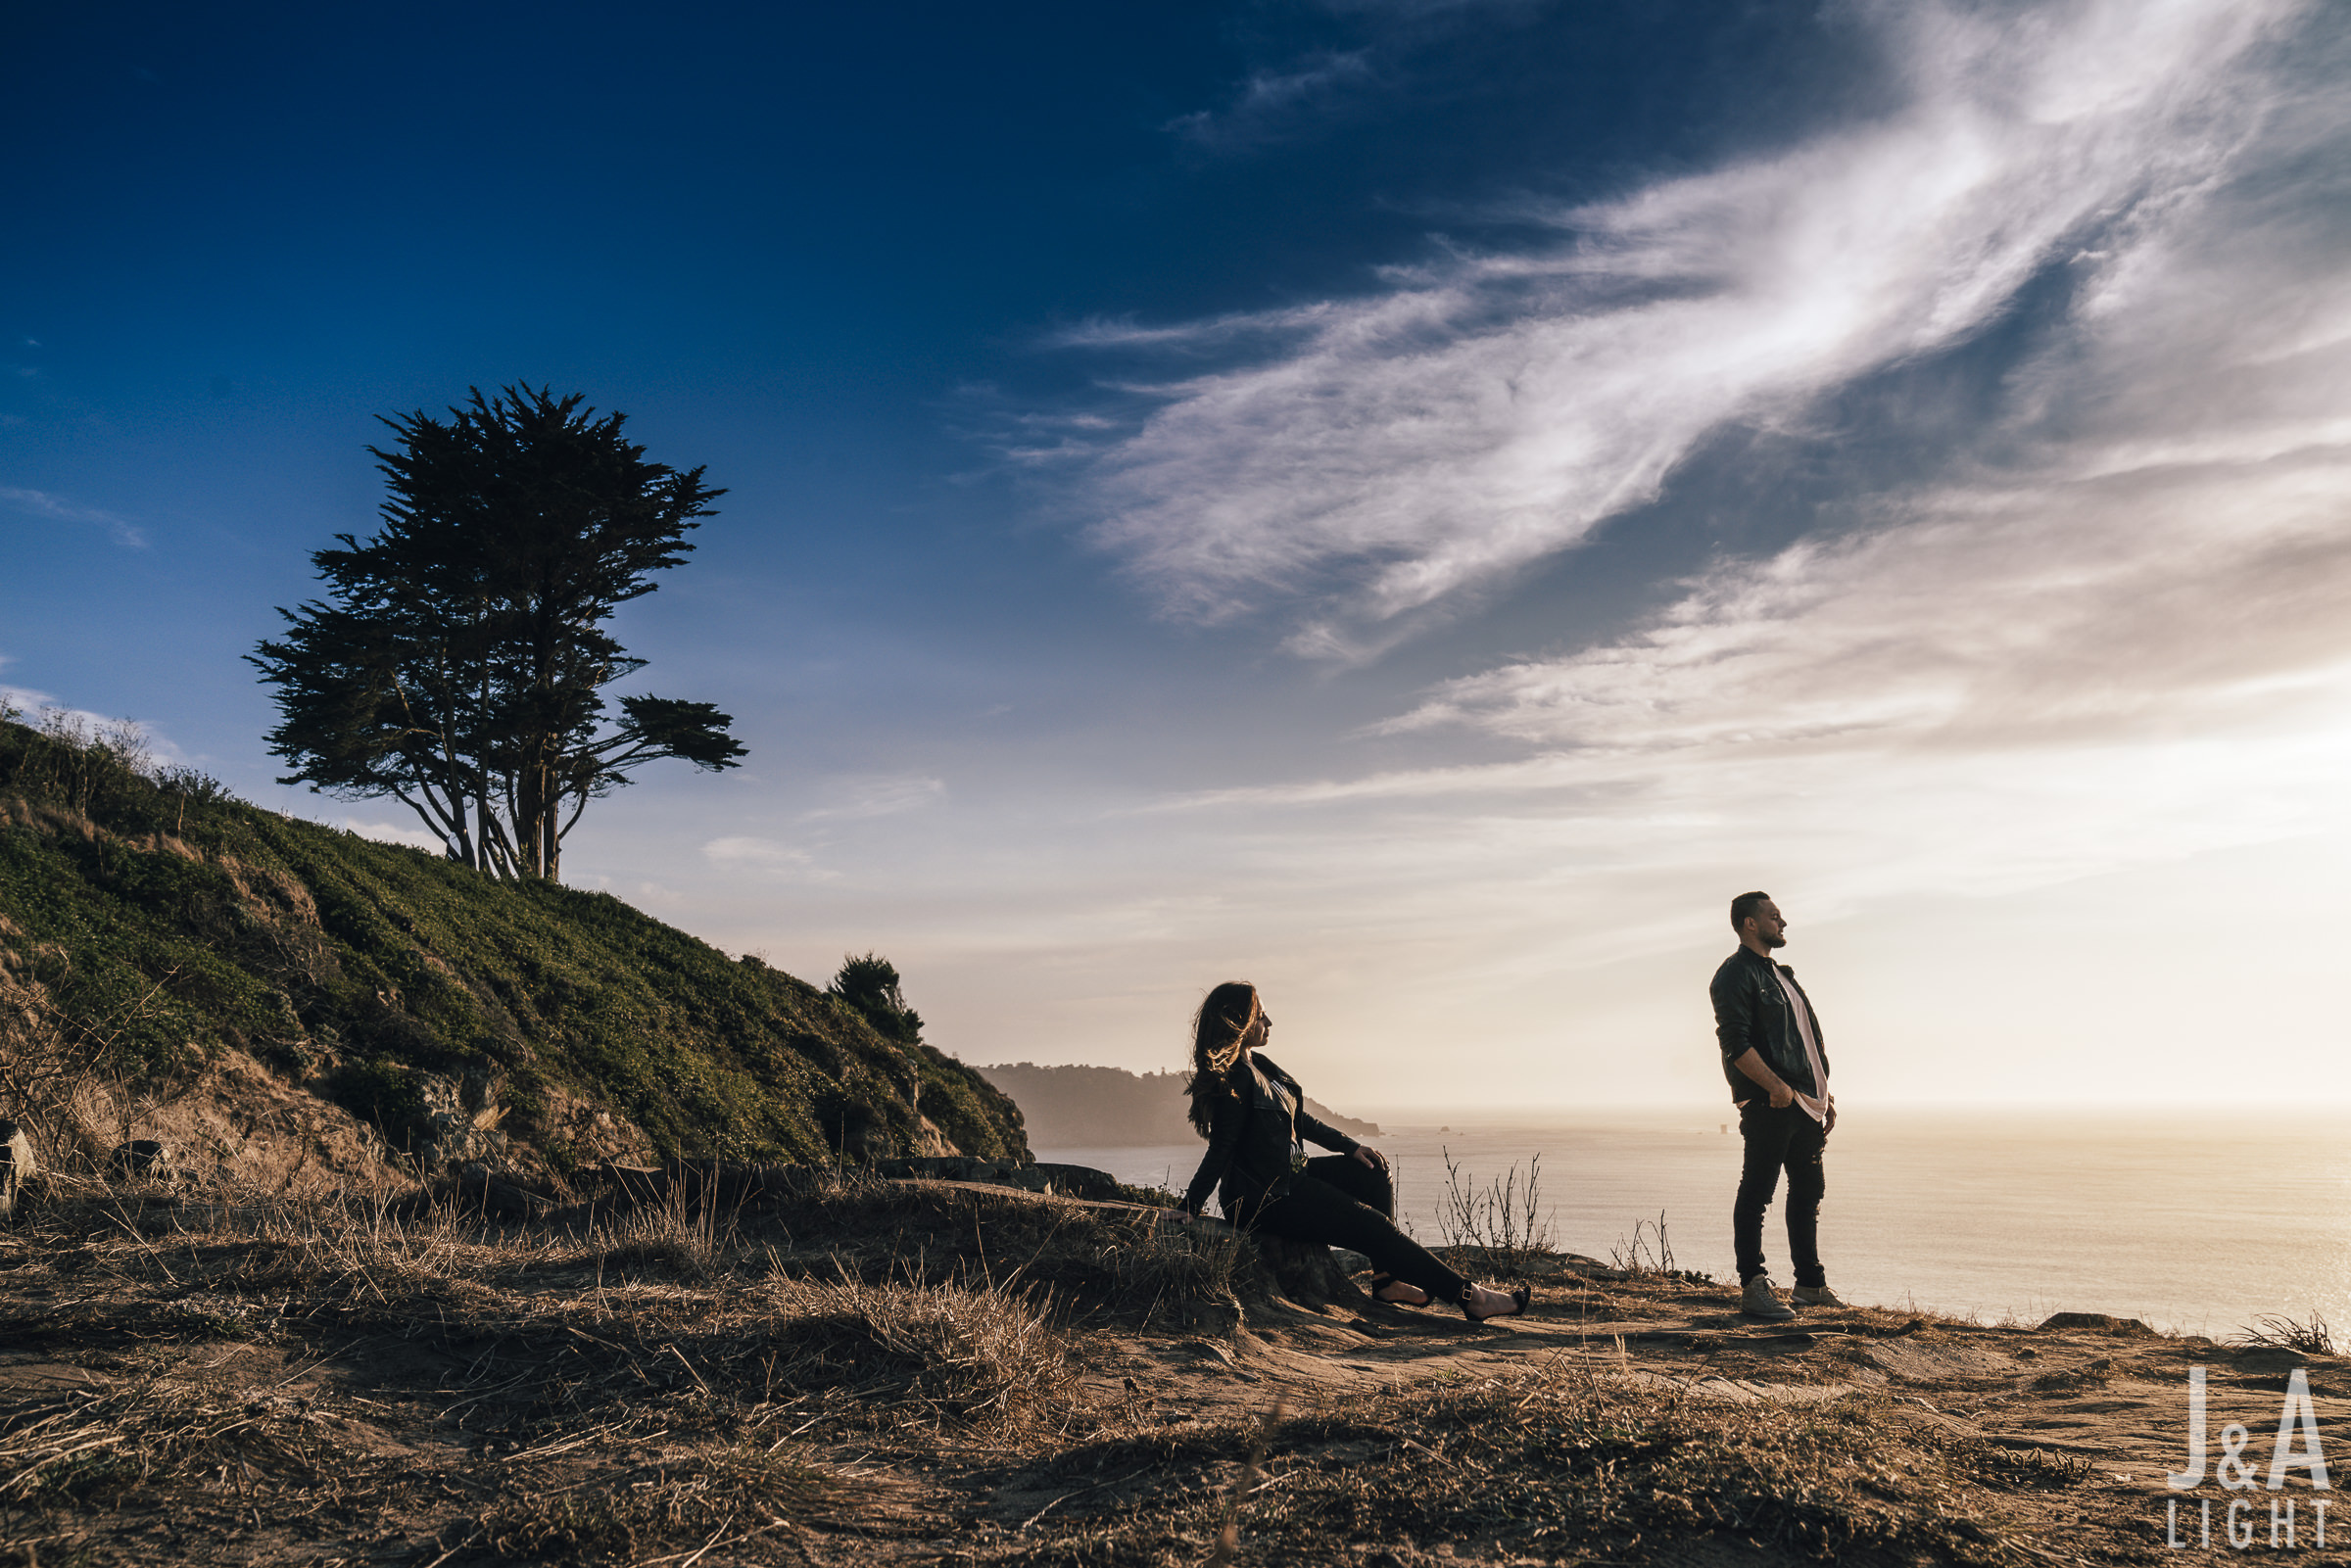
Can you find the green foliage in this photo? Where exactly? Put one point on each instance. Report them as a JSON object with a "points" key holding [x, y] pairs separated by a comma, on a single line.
{"points": [[459, 661], [870, 984], [175, 924]]}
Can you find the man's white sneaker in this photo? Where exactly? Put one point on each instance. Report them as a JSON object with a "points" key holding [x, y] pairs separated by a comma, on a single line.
{"points": [[1758, 1298], [1814, 1296]]}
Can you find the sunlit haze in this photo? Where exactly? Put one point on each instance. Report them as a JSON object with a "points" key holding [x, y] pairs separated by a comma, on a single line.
{"points": [[1412, 503]]}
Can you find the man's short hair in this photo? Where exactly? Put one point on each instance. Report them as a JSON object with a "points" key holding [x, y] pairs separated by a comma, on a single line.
{"points": [[1744, 904]]}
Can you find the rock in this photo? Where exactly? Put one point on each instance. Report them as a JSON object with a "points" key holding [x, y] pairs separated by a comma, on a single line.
{"points": [[17, 1165], [149, 1158], [459, 1124], [1067, 1181], [473, 1190], [2098, 1322], [729, 1185]]}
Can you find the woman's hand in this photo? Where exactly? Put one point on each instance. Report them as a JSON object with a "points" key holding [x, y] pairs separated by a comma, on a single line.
{"points": [[1372, 1157]]}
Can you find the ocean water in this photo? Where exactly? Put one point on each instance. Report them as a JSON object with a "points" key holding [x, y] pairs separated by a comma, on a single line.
{"points": [[2196, 1224]]}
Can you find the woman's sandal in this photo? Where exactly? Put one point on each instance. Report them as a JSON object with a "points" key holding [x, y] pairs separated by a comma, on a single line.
{"points": [[1379, 1287], [1519, 1301]]}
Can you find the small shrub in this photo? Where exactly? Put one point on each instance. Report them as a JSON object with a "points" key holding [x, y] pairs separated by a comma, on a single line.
{"points": [[193, 784], [678, 1236], [2313, 1338], [1649, 1251], [1501, 1224], [1175, 1267]]}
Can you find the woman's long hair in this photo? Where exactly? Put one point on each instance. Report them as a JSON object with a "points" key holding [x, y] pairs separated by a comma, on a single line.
{"points": [[1218, 1028]]}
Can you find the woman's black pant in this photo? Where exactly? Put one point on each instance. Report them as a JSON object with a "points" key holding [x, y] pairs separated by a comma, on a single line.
{"points": [[1341, 1202]]}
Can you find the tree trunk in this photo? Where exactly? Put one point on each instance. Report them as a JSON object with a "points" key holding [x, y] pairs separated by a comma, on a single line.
{"points": [[1307, 1272]]}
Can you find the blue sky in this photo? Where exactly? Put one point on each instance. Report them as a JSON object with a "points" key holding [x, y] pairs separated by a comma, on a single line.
{"points": [[1414, 503]]}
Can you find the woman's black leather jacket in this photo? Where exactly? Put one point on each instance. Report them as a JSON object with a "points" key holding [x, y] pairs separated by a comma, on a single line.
{"points": [[1751, 1013], [1252, 1136]]}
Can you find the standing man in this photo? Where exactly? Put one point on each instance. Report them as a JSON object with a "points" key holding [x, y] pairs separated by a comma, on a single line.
{"points": [[1779, 1076]]}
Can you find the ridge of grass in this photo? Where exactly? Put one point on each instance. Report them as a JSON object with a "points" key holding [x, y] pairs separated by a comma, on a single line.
{"points": [[149, 922]]}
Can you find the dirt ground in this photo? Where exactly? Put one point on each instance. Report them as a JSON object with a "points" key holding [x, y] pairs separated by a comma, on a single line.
{"points": [[919, 1375]]}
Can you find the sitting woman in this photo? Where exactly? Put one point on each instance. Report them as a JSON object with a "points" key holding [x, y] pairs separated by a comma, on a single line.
{"points": [[1254, 1114]]}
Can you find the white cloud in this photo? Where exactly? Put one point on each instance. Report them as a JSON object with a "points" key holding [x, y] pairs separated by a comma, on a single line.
{"points": [[1273, 104], [42, 504], [1492, 409], [2123, 646], [1974, 627], [769, 856], [878, 795], [2064, 673], [394, 833]]}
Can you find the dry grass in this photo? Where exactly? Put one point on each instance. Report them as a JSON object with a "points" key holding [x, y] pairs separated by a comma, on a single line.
{"points": [[648, 1386], [729, 1498], [2091, 1374], [1547, 1466], [873, 1372], [2313, 1338]]}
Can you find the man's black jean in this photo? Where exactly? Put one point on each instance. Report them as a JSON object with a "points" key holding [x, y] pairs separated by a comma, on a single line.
{"points": [[1341, 1202], [1790, 1140]]}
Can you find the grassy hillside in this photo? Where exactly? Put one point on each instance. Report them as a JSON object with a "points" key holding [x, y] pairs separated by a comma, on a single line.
{"points": [[149, 924]]}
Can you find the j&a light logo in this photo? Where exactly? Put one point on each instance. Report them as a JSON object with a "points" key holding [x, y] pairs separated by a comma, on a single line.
{"points": [[2295, 1448]]}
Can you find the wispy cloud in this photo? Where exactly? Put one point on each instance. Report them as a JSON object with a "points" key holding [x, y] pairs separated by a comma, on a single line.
{"points": [[769, 855], [879, 795], [2104, 633], [1968, 700], [1486, 411], [41, 504], [1272, 105]]}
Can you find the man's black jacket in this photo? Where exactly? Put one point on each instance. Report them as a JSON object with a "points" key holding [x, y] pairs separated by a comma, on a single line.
{"points": [[1751, 1013], [1251, 1133]]}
